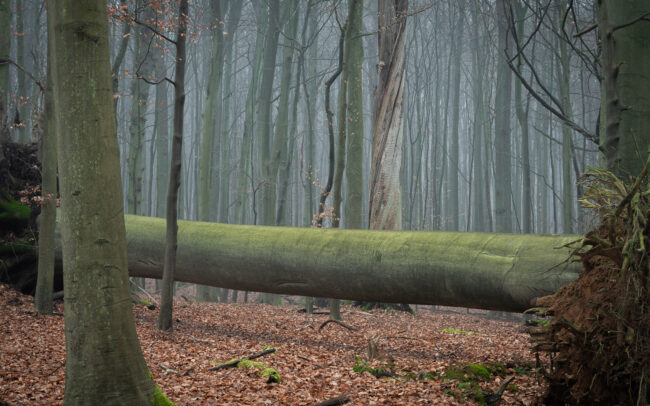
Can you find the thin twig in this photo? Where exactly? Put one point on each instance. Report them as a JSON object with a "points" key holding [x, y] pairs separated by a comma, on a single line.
{"points": [[585, 31], [642, 17], [337, 322], [7, 61]]}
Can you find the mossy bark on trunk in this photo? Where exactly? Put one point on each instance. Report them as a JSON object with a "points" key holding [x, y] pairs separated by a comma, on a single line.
{"points": [[104, 363], [480, 270]]}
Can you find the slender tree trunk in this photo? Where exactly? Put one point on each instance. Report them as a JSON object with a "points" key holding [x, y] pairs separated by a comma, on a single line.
{"points": [[264, 115], [245, 162], [208, 116], [45, 281], [330, 132], [140, 102], [502, 122], [20, 55], [454, 156], [162, 137], [310, 103], [171, 241], [354, 153], [567, 184], [104, 363], [209, 130], [226, 127], [522, 117], [481, 176], [5, 47], [280, 157]]}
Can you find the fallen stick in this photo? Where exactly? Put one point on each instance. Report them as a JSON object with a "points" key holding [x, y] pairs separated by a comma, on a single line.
{"points": [[341, 400], [337, 322], [308, 360], [168, 370], [495, 399], [233, 363]]}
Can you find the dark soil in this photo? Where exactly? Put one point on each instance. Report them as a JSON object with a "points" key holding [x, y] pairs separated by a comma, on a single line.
{"points": [[600, 331]]}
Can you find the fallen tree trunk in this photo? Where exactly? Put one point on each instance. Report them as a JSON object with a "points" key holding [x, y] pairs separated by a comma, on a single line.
{"points": [[479, 270]]}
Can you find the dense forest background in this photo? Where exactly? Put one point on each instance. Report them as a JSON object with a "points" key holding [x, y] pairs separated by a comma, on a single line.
{"points": [[255, 146], [473, 116]]}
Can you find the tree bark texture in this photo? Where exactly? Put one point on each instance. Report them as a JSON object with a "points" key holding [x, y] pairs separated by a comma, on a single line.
{"points": [[354, 116], [626, 96], [104, 363], [264, 118], [385, 211], [479, 270], [45, 280]]}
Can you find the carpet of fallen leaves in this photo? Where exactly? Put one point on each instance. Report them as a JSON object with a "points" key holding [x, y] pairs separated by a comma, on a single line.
{"points": [[314, 366]]}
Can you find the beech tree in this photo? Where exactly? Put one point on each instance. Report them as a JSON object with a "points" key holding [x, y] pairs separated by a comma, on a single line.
{"points": [[104, 363], [171, 233], [624, 30], [480, 270], [385, 194]]}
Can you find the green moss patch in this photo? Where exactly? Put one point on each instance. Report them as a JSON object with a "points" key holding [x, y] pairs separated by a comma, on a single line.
{"points": [[159, 398], [264, 370], [464, 379]]}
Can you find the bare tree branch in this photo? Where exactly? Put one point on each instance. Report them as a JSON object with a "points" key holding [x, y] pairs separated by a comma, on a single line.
{"points": [[8, 61]]}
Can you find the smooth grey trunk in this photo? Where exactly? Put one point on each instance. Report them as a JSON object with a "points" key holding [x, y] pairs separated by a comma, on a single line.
{"points": [[45, 280], [454, 156], [162, 135], [502, 141], [264, 114]]}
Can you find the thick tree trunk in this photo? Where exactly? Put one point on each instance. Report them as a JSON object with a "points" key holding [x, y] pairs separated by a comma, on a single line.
{"points": [[480, 270], [385, 212], [626, 89], [104, 363]]}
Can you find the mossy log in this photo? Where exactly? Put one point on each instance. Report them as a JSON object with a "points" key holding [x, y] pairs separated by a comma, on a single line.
{"points": [[479, 270]]}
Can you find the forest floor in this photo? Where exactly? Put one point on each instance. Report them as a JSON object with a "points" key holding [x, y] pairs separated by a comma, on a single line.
{"points": [[447, 351]]}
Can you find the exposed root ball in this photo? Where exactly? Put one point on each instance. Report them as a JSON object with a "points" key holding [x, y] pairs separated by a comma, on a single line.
{"points": [[599, 336]]}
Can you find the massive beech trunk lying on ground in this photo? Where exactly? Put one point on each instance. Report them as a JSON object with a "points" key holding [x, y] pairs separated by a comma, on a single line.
{"points": [[479, 270]]}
